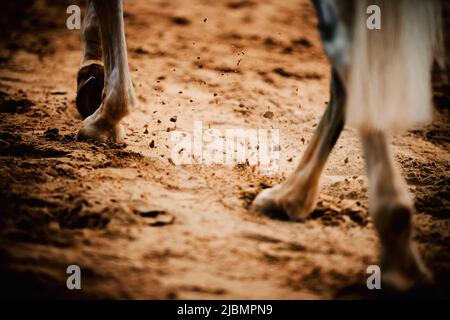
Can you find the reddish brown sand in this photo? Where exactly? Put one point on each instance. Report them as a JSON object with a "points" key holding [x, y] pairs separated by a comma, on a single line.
{"points": [[224, 63]]}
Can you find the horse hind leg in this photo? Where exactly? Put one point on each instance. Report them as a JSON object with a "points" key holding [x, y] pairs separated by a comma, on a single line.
{"points": [[391, 208], [296, 197]]}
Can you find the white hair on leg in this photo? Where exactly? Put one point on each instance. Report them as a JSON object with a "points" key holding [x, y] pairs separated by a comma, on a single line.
{"points": [[389, 79]]}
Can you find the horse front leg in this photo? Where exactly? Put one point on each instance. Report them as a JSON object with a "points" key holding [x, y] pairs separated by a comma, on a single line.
{"points": [[90, 78], [118, 93]]}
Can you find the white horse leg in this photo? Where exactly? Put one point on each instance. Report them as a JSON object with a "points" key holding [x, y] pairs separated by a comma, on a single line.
{"points": [[90, 78], [118, 94], [296, 197], [391, 208]]}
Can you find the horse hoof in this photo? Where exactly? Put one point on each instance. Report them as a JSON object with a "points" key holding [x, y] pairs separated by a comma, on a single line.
{"points": [[90, 82]]}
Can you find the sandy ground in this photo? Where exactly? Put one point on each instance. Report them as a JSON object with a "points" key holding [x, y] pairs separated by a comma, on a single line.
{"points": [[140, 226]]}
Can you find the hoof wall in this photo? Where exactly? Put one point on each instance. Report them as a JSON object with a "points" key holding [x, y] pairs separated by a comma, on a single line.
{"points": [[90, 87]]}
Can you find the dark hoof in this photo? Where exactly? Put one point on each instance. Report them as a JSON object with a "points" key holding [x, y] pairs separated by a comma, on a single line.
{"points": [[90, 81]]}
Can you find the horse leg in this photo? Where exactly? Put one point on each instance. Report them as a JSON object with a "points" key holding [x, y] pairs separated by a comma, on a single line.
{"points": [[90, 78], [118, 93], [296, 197], [391, 208]]}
